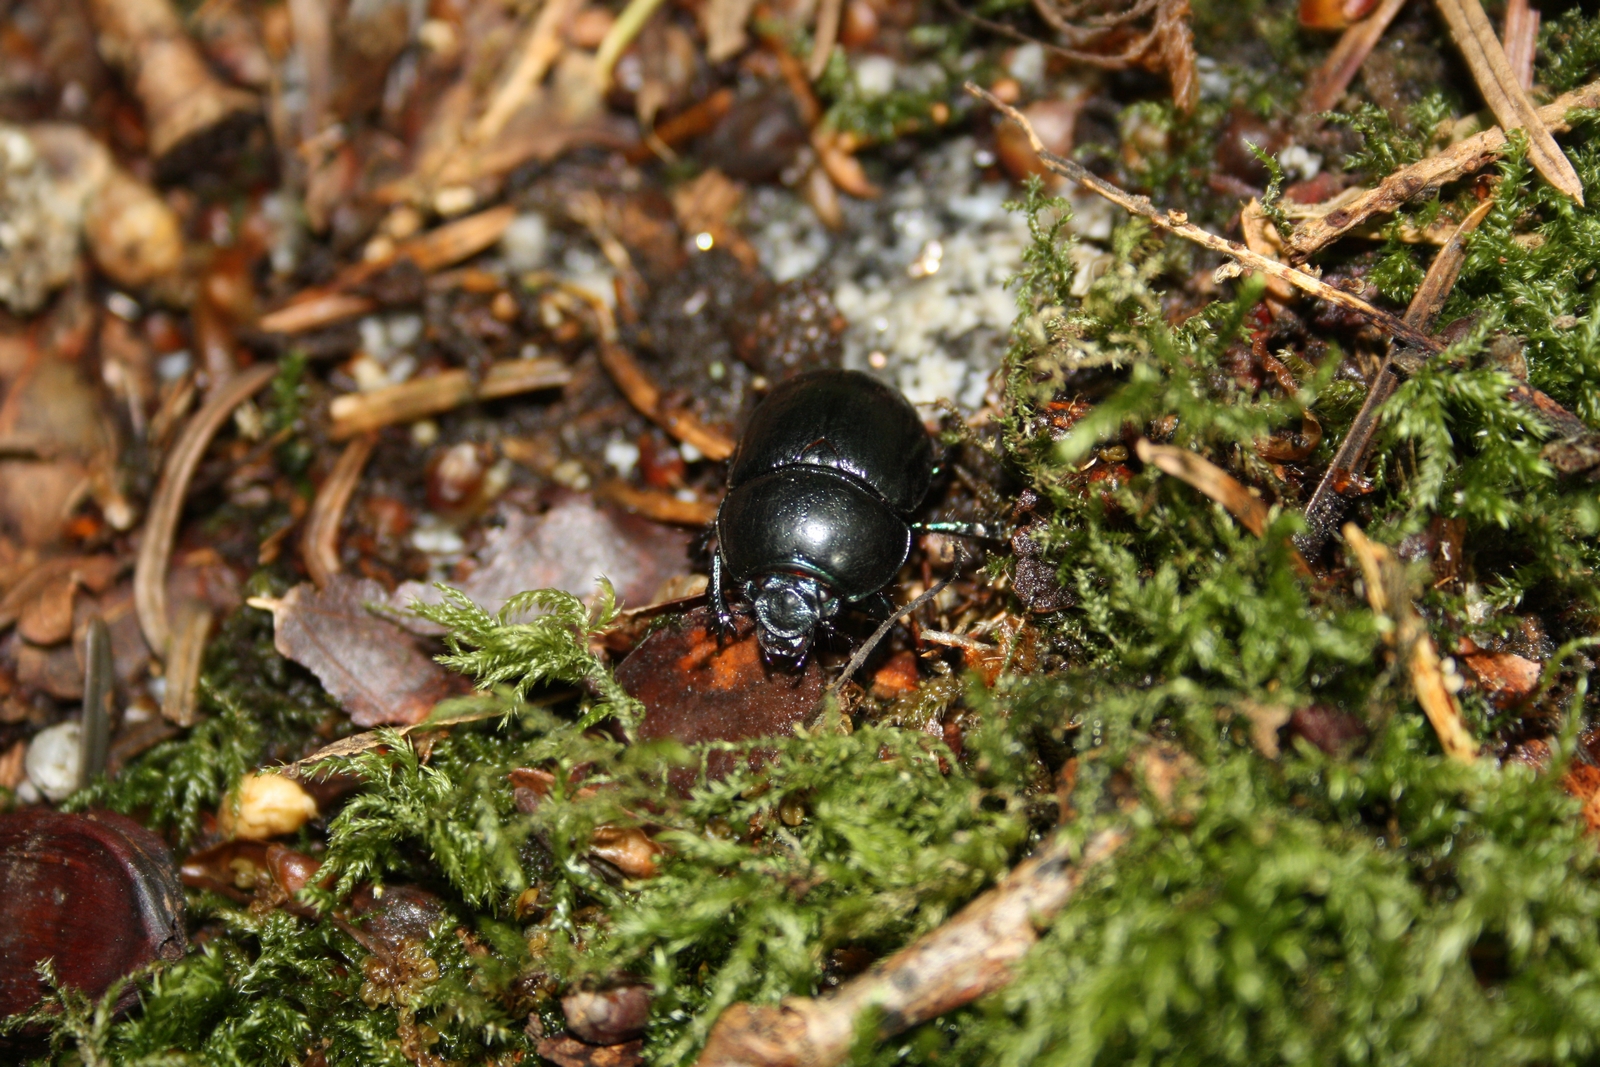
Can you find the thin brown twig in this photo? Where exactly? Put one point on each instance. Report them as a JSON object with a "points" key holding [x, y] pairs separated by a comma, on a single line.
{"points": [[1177, 223], [319, 544], [357, 413], [1327, 503], [658, 504], [1427, 175], [645, 395], [1502, 90], [161, 525], [973, 954], [179, 705]]}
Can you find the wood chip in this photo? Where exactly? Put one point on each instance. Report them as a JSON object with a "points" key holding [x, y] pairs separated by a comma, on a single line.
{"points": [[1503, 92], [1385, 579], [356, 413], [1210, 479]]}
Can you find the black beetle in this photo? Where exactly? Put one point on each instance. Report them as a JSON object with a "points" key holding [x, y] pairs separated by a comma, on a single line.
{"points": [[820, 491]]}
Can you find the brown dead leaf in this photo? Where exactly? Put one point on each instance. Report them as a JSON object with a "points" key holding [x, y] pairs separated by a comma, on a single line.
{"points": [[723, 22], [47, 618], [366, 662], [627, 848], [697, 688], [567, 547]]}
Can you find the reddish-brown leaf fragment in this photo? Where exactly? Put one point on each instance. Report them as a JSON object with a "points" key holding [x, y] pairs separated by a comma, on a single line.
{"points": [[366, 662]]}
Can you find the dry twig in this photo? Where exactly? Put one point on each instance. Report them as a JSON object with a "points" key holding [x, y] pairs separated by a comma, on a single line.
{"points": [[658, 504], [972, 955], [1384, 577], [1326, 506], [1177, 222], [645, 395], [356, 413], [1427, 175], [539, 50], [319, 544], [439, 247], [1503, 92], [182, 100], [161, 526]]}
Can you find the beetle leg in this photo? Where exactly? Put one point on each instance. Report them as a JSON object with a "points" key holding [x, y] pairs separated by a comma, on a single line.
{"points": [[721, 616], [877, 606]]}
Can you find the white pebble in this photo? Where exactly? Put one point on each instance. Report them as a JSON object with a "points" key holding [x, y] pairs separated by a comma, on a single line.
{"points": [[55, 759], [622, 456], [875, 75], [526, 242]]}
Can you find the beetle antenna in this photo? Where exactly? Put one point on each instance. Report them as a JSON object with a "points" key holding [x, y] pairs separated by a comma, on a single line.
{"points": [[883, 629]]}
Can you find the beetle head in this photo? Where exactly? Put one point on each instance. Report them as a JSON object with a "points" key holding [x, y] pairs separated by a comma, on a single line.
{"points": [[788, 610]]}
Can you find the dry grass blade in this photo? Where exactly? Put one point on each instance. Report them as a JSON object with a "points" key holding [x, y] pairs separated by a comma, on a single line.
{"points": [[1427, 175], [617, 39], [99, 684], [1326, 506], [1521, 40], [189, 633], [645, 395], [155, 546], [827, 35], [1503, 92], [319, 545], [970, 956], [1384, 577], [1177, 222], [1330, 80], [356, 413], [1210, 479]]}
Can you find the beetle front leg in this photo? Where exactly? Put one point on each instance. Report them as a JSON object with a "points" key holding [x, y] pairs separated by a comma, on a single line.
{"points": [[721, 615]]}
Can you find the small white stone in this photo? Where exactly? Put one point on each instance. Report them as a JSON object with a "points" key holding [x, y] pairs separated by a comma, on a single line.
{"points": [[526, 242], [55, 759], [404, 330], [875, 75], [1027, 64], [1298, 160], [622, 456]]}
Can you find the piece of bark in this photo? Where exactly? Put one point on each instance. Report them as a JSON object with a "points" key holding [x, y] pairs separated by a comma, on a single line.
{"points": [[97, 893], [971, 956], [608, 1017], [366, 662], [1502, 90], [1426, 176]]}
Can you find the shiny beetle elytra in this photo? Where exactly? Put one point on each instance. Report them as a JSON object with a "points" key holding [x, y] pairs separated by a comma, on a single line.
{"points": [[816, 517]]}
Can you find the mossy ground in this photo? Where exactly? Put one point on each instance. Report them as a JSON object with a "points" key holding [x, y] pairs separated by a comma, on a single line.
{"points": [[1384, 905]]}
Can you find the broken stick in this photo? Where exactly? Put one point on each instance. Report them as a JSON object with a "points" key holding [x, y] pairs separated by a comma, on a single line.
{"points": [[1177, 223], [972, 955], [1427, 175]]}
